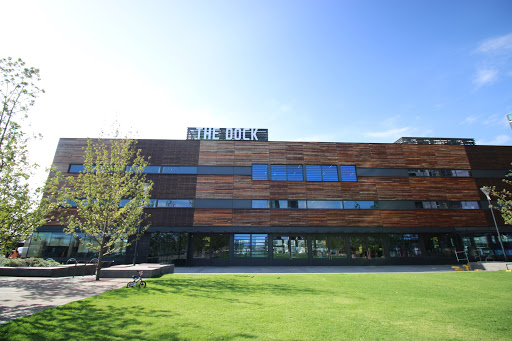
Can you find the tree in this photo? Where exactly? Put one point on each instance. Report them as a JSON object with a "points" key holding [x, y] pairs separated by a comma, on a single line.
{"points": [[106, 200], [21, 210], [504, 198]]}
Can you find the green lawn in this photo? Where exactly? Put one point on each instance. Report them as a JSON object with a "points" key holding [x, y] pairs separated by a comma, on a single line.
{"points": [[414, 306]]}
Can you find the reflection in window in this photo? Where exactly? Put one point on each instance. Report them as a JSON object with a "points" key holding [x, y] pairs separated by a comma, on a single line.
{"points": [[404, 245], [175, 203], [319, 247], [325, 204], [337, 247], [297, 204], [440, 245], [260, 204], [251, 245], [278, 203], [76, 168], [165, 247], [363, 205]]}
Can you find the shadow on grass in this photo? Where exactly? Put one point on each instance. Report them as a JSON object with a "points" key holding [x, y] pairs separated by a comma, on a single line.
{"points": [[132, 313]]}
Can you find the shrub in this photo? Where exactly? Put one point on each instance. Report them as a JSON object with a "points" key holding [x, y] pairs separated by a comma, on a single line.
{"points": [[30, 262]]}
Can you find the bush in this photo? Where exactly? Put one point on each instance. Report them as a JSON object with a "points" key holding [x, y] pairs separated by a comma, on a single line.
{"points": [[30, 262]]}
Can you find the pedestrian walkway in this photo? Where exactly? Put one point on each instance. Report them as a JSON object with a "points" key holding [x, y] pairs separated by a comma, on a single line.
{"points": [[23, 296]]}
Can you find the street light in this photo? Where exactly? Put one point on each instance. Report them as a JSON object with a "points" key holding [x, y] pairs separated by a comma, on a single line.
{"points": [[486, 190], [146, 185]]}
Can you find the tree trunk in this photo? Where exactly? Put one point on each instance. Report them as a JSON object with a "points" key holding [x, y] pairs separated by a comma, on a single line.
{"points": [[100, 259]]}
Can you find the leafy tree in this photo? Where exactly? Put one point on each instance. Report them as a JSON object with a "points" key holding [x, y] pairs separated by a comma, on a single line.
{"points": [[106, 200], [21, 210], [504, 198]]}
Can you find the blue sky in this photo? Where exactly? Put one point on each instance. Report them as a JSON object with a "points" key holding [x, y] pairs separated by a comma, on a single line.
{"points": [[343, 71]]}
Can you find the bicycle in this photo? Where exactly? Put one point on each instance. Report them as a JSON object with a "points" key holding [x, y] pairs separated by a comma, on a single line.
{"points": [[137, 281]]}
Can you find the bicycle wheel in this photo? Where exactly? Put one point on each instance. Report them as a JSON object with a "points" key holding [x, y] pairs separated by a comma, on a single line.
{"points": [[142, 284], [130, 284]]}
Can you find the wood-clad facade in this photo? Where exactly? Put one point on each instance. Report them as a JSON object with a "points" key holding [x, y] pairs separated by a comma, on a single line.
{"points": [[413, 218]]}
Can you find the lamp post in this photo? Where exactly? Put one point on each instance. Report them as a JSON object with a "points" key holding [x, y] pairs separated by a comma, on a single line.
{"points": [[486, 190], [146, 185]]}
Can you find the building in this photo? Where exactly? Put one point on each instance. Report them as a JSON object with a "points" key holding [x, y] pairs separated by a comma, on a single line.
{"points": [[248, 201]]}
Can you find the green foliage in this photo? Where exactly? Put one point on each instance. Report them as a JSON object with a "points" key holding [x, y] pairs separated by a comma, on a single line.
{"points": [[28, 262], [97, 192], [21, 210], [405, 306], [504, 198]]}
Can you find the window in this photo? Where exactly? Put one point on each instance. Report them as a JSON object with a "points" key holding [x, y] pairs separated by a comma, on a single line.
{"points": [[294, 173], [259, 172], [348, 173], [152, 170], [356, 205], [179, 170], [175, 203], [278, 203], [297, 204], [404, 245], [313, 173], [251, 245], [325, 204], [260, 204], [329, 173], [278, 172], [470, 205], [76, 168]]}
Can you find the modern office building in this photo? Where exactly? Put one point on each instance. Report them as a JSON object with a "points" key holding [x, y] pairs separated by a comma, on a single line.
{"points": [[230, 197]]}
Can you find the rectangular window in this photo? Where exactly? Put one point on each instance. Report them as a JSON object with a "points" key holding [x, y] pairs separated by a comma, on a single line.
{"points": [[152, 169], [329, 173], [360, 205], [294, 173], [259, 172], [179, 170], [462, 173], [325, 204], [242, 245], [259, 204], [348, 173], [278, 172], [297, 204], [259, 245], [470, 205], [171, 203], [313, 173], [76, 168], [278, 203]]}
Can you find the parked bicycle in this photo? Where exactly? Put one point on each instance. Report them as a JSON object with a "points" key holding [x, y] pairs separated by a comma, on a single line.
{"points": [[137, 281]]}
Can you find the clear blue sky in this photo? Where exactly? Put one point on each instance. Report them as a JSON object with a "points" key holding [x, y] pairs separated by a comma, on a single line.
{"points": [[344, 71]]}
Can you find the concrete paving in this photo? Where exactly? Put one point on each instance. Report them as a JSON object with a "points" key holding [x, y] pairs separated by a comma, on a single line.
{"points": [[23, 296]]}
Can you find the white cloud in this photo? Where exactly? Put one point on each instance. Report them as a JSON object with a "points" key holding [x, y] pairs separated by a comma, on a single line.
{"points": [[496, 45], [469, 120], [388, 133], [499, 140], [485, 76]]}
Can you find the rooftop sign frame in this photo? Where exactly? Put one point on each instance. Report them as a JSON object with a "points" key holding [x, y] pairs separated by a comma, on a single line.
{"points": [[227, 134]]}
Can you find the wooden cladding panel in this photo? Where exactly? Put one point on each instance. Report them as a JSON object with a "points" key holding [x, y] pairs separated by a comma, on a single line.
{"points": [[277, 153], [251, 217], [170, 152], [170, 216], [320, 153], [291, 217], [247, 153], [400, 219], [214, 186], [432, 188], [393, 188], [489, 157], [451, 157], [69, 151], [167, 186], [213, 217], [217, 153], [245, 188], [362, 218], [323, 190]]}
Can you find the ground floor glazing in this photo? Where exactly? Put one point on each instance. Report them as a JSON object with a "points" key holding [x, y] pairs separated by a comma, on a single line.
{"points": [[217, 249]]}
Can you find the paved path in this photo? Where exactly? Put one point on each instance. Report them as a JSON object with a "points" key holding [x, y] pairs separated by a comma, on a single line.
{"points": [[23, 296]]}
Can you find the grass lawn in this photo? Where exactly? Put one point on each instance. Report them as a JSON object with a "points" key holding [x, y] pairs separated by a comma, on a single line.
{"points": [[413, 306]]}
